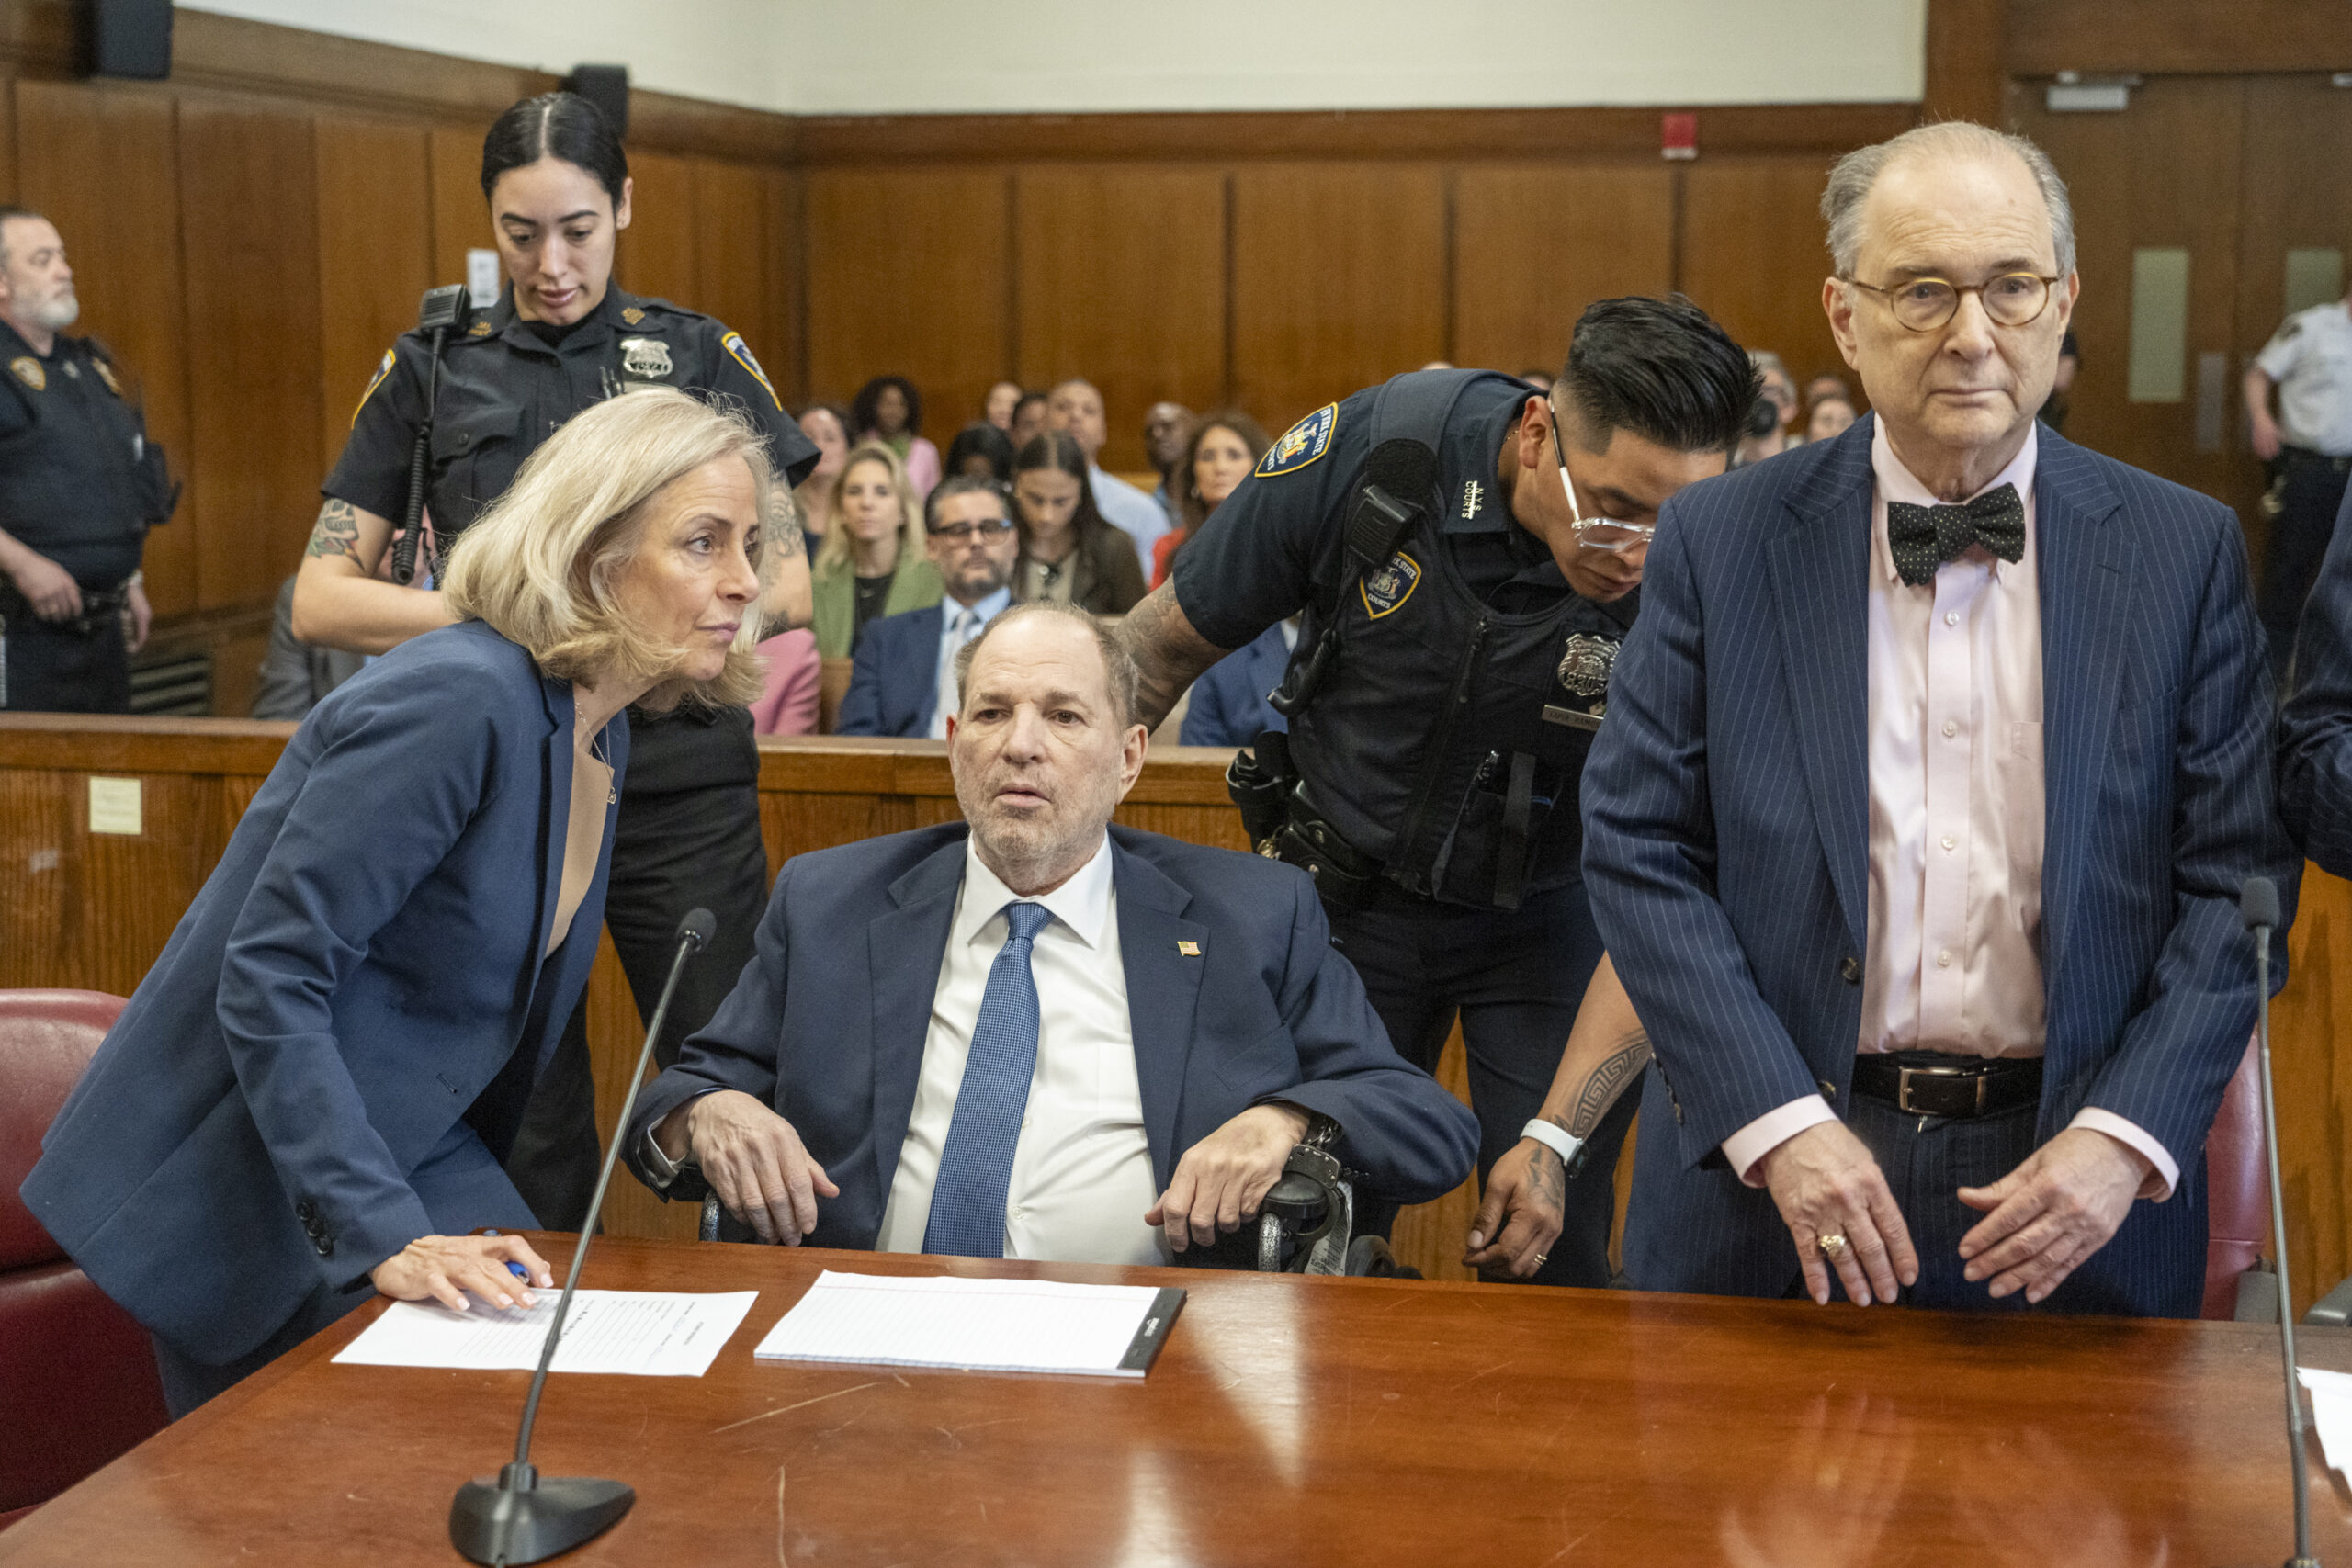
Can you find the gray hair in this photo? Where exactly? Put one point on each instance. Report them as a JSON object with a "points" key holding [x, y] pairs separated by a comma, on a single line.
{"points": [[1851, 177], [1118, 665]]}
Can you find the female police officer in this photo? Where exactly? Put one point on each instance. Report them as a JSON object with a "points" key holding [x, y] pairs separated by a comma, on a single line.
{"points": [[559, 339]]}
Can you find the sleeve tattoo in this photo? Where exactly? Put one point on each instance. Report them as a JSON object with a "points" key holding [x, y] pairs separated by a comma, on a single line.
{"points": [[1608, 1080], [783, 539], [337, 533]]}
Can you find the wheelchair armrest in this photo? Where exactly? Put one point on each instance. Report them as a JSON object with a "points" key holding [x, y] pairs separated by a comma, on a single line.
{"points": [[2333, 1310]]}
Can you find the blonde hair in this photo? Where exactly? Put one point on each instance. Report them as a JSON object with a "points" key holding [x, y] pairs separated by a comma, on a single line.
{"points": [[543, 564], [833, 555]]}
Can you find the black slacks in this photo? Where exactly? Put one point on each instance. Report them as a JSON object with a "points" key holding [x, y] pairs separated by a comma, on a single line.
{"points": [[61, 667], [688, 836], [1516, 977]]}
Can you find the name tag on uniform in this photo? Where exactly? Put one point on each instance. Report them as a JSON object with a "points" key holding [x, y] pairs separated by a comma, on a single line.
{"points": [[1571, 717]]}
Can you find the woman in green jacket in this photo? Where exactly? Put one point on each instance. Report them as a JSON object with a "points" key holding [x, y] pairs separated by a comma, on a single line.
{"points": [[874, 562]]}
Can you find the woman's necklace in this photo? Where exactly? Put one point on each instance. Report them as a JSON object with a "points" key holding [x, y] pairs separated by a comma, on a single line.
{"points": [[599, 746]]}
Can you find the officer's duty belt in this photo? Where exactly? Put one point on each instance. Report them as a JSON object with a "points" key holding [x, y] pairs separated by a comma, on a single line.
{"points": [[1929, 1083], [100, 609]]}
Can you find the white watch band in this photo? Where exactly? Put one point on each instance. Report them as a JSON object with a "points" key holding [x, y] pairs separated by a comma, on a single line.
{"points": [[1564, 1145]]}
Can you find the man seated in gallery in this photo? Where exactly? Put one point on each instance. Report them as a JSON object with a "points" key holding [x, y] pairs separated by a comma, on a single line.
{"points": [[1037, 1035]]}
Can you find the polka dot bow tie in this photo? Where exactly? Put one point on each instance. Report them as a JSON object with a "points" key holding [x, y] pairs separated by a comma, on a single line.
{"points": [[1924, 537]]}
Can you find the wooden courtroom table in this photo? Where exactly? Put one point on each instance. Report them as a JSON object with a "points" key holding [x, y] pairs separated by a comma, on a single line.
{"points": [[1288, 1421]]}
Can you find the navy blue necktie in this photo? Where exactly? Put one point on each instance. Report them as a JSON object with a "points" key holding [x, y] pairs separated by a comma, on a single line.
{"points": [[975, 1166]]}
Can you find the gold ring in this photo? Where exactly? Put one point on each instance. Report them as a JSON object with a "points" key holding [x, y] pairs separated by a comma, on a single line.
{"points": [[1541, 1258], [1831, 1246]]}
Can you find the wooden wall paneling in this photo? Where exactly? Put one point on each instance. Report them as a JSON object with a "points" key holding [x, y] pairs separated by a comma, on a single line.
{"points": [[1339, 280], [733, 262], [249, 183], [1754, 255], [657, 249], [99, 158], [2295, 192], [1967, 61], [7, 136], [2164, 173], [375, 255], [784, 357], [1534, 243], [2177, 36], [460, 219], [1120, 278], [908, 274]]}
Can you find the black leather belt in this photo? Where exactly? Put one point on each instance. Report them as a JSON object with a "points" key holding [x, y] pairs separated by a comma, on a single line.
{"points": [[1927, 1082]]}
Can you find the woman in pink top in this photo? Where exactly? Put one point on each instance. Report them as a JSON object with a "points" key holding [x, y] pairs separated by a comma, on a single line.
{"points": [[889, 410], [788, 704]]}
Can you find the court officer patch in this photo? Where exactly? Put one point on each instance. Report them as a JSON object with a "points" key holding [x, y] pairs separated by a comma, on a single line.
{"points": [[1301, 443], [1390, 586]]}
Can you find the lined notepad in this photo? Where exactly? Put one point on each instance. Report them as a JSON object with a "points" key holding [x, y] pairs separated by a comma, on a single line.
{"points": [[1001, 1326]]}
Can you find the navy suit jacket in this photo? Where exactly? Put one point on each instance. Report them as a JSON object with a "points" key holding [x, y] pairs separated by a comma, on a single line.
{"points": [[358, 969], [894, 683], [2315, 753], [1727, 839], [1229, 705], [829, 1021]]}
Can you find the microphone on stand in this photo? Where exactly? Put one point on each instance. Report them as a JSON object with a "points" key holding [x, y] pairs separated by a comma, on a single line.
{"points": [[520, 1517], [2259, 904]]}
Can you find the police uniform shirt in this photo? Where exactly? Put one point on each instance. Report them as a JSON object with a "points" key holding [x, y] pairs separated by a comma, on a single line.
{"points": [[505, 387], [75, 481], [2310, 358], [1277, 545]]}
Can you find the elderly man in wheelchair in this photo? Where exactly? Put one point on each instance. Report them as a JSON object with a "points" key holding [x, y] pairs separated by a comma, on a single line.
{"points": [[1034, 1035]]}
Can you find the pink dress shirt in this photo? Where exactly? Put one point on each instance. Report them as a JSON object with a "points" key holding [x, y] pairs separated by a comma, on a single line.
{"points": [[1953, 961]]}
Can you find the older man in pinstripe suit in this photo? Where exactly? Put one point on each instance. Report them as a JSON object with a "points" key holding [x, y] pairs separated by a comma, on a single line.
{"points": [[1930, 775]]}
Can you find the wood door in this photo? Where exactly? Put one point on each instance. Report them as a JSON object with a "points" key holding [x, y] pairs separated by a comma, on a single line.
{"points": [[2159, 177]]}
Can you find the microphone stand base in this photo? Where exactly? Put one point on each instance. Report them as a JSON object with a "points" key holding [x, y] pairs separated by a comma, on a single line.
{"points": [[521, 1518]]}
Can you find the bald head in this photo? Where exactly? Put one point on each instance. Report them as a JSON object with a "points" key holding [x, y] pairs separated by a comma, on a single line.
{"points": [[1950, 146]]}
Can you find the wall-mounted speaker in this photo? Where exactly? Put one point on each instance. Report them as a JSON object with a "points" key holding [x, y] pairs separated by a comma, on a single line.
{"points": [[131, 38], [606, 87]]}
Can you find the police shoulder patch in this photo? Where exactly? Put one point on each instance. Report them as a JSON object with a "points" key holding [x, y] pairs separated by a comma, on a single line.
{"points": [[741, 353], [29, 372], [383, 369], [1387, 586], [105, 374], [1301, 443]]}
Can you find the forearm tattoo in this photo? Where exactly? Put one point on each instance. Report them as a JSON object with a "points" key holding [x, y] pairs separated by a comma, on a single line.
{"points": [[784, 541], [1547, 1179], [337, 533], [1608, 1081], [1167, 652]]}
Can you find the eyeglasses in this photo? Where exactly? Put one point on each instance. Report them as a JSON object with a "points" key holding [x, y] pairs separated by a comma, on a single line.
{"points": [[2012, 299], [989, 532], [1595, 533]]}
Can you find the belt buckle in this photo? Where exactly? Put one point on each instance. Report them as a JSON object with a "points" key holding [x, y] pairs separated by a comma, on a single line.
{"points": [[1903, 1089]]}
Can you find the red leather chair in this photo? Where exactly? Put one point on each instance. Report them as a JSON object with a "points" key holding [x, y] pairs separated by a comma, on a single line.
{"points": [[2237, 1182], [77, 1377]]}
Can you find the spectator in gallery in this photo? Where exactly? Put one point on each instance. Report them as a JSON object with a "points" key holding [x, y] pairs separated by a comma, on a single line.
{"points": [[1222, 449], [826, 426], [997, 407], [889, 410], [1028, 419], [1166, 428], [1827, 385], [1779, 389], [981, 451], [1068, 550], [1076, 406], [1831, 415], [788, 700], [874, 563], [905, 679]]}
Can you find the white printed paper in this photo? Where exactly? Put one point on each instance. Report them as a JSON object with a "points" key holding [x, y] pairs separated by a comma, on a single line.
{"points": [[2331, 1414], [1006, 1326], [640, 1333]]}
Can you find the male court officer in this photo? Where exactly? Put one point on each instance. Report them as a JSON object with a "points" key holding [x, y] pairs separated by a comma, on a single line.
{"points": [[2309, 363], [79, 487], [1466, 550]]}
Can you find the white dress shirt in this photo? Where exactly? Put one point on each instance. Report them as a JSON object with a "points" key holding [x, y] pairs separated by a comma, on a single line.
{"points": [[1081, 1171], [1953, 960], [959, 624]]}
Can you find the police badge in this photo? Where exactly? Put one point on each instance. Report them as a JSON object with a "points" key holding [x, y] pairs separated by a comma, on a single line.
{"points": [[645, 359], [1586, 664]]}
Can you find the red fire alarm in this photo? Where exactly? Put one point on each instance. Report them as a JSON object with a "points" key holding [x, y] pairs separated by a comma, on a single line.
{"points": [[1677, 135]]}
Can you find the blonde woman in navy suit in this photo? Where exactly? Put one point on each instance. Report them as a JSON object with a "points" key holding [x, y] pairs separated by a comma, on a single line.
{"points": [[310, 1093]]}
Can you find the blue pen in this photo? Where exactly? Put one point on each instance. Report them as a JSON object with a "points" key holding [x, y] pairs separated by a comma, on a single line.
{"points": [[511, 1267]]}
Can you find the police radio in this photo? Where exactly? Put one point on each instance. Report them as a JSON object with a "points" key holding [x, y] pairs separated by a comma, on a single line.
{"points": [[441, 309]]}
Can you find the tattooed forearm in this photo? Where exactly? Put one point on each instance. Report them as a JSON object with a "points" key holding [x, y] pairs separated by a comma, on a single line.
{"points": [[1547, 1179], [783, 539], [337, 533], [1168, 654], [1608, 1080]]}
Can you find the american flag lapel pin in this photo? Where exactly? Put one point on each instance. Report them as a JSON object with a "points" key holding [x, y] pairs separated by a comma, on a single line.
{"points": [[1188, 949]]}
